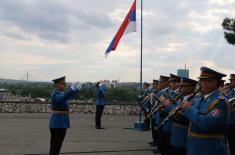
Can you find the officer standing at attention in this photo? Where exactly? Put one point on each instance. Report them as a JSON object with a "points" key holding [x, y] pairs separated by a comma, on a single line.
{"points": [[209, 118], [231, 125], [100, 104], [59, 121]]}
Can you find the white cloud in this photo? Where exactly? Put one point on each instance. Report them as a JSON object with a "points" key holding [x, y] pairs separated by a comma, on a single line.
{"points": [[69, 37]]}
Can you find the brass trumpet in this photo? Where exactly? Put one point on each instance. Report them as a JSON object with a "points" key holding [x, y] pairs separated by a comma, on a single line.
{"points": [[147, 98]]}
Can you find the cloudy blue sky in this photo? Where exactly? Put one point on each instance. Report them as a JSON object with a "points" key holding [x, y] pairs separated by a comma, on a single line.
{"points": [[50, 38]]}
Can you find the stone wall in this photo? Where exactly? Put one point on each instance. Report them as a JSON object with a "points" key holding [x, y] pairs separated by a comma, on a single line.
{"points": [[84, 108]]}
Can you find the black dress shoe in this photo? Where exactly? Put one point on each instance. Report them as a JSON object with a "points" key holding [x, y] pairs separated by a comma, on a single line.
{"points": [[100, 128]]}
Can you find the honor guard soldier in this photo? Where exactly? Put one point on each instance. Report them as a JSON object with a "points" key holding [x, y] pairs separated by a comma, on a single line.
{"points": [[231, 126], [59, 121], [100, 104], [163, 89], [179, 131], [173, 81], [209, 118], [147, 105], [153, 120]]}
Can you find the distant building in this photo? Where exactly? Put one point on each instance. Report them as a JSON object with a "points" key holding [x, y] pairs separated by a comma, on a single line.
{"points": [[7, 95], [183, 73], [110, 84]]}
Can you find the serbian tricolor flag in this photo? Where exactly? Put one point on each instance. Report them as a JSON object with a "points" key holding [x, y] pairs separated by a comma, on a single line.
{"points": [[128, 25]]}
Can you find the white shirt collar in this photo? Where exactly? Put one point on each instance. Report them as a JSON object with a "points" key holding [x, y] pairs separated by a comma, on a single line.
{"points": [[187, 97], [165, 88], [208, 95]]}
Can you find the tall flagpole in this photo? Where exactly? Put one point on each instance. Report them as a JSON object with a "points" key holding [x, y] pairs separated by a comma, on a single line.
{"points": [[141, 55]]}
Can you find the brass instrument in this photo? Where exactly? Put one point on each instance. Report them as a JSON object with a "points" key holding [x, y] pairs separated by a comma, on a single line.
{"points": [[147, 98]]}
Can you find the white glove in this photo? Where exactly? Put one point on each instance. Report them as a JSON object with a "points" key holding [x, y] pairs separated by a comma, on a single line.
{"points": [[76, 86]]}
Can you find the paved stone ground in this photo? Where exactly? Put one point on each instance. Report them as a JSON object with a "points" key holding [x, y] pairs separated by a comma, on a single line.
{"points": [[24, 134]]}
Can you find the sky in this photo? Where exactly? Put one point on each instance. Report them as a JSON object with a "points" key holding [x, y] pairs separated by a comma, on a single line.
{"points": [[52, 38]]}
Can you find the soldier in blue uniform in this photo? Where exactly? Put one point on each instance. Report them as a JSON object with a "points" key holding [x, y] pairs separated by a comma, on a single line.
{"points": [[147, 105], [153, 120], [231, 125], [208, 119], [100, 104], [166, 130], [163, 88], [59, 121], [180, 125]]}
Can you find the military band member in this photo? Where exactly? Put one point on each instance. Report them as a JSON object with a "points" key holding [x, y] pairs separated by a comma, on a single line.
{"points": [[208, 119], [59, 121], [222, 84], [147, 105], [231, 126], [163, 89], [173, 90], [100, 104], [179, 131], [153, 120]]}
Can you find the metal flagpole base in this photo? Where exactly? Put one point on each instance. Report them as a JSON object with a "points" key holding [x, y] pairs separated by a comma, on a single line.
{"points": [[139, 125]]}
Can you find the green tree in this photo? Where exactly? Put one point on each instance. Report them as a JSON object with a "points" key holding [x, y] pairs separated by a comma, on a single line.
{"points": [[228, 25]]}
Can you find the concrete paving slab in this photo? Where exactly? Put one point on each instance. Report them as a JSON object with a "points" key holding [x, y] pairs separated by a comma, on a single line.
{"points": [[28, 134]]}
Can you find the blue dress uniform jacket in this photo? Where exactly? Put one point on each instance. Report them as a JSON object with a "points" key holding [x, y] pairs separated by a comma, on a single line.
{"points": [[59, 102], [100, 96], [207, 126], [147, 106], [156, 115], [159, 94], [179, 131], [167, 127], [232, 115]]}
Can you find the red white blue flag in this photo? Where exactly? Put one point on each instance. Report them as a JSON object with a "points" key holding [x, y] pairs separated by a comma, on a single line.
{"points": [[128, 25]]}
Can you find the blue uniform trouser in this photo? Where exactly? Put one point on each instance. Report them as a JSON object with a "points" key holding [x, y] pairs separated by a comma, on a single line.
{"points": [[99, 111], [154, 132], [57, 138], [231, 138], [178, 150], [165, 147], [146, 121]]}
